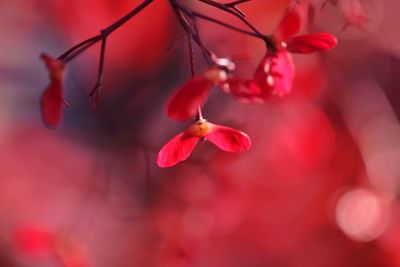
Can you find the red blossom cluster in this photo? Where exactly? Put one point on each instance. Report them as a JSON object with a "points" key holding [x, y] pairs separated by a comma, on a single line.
{"points": [[273, 77]]}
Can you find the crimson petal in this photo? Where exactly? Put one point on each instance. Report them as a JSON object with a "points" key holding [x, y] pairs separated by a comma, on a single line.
{"points": [[52, 101], [177, 149], [228, 139], [244, 90], [289, 25], [185, 102], [275, 73], [310, 43]]}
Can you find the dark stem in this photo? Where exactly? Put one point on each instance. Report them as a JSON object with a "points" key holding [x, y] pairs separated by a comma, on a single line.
{"points": [[191, 56], [85, 44], [190, 32], [228, 10], [233, 5], [205, 17], [125, 18], [95, 93], [82, 46], [100, 73], [269, 43]]}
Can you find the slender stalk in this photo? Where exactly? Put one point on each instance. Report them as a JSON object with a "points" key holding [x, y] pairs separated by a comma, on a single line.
{"points": [[82, 46], [234, 3], [190, 32], [270, 44], [191, 56], [88, 42], [100, 76], [228, 10], [205, 17], [199, 116], [107, 31]]}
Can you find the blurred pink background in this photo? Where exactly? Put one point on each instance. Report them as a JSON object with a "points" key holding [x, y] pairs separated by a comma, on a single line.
{"points": [[319, 186]]}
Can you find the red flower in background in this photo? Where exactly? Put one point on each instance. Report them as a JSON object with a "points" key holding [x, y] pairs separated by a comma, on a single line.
{"points": [[354, 13], [33, 241], [42, 244], [52, 99], [181, 146]]}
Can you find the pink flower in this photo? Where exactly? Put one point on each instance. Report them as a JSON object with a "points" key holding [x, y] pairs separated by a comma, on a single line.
{"points": [[273, 76], [276, 72], [52, 99], [181, 146]]}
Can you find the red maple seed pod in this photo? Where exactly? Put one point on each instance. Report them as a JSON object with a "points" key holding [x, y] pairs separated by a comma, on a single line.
{"points": [[276, 72], [181, 146]]}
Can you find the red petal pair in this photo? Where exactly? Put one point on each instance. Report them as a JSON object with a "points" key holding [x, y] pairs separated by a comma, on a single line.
{"points": [[309, 43], [52, 99], [276, 72], [181, 146]]}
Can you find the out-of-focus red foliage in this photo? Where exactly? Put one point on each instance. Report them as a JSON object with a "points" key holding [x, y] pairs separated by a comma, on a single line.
{"points": [[319, 186]]}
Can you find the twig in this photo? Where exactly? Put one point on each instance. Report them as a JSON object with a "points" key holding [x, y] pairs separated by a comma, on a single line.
{"points": [[270, 44], [100, 75]]}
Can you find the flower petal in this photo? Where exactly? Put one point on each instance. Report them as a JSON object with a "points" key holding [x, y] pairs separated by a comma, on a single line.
{"points": [[244, 90], [228, 139], [310, 43], [275, 73], [185, 102], [51, 105], [289, 25], [177, 149], [52, 101]]}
